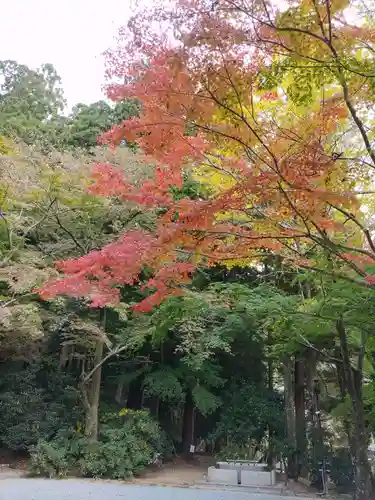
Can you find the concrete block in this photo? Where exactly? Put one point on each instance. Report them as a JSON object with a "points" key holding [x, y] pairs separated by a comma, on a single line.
{"points": [[222, 476], [273, 477], [258, 477]]}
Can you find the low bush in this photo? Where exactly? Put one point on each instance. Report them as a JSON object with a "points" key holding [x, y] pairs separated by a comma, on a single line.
{"points": [[49, 459], [128, 442], [342, 471], [32, 409]]}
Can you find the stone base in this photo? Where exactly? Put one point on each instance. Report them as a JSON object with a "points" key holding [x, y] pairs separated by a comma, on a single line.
{"points": [[258, 478], [222, 476], [241, 473]]}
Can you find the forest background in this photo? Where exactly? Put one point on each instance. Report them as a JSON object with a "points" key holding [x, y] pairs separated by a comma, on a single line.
{"points": [[254, 330]]}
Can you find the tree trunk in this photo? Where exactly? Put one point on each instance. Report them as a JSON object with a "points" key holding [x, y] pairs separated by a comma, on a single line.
{"points": [[290, 416], [343, 393], [271, 451], [91, 388], [363, 481], [119, 392], [299, 400], [188, 427], [135, 394], [64, 355], [354, 384], [155, 407], [312, 362], [93, 395], [316, 432]]}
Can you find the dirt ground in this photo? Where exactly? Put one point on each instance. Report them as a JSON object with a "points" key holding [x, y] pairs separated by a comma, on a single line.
{"points": [[176, 473], [182, 473], [12, 464], [187, 474]]}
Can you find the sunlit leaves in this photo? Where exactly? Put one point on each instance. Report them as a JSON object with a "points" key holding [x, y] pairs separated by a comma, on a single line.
{"points": [[276, 99]]}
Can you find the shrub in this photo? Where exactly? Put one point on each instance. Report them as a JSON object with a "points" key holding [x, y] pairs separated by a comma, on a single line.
{"points": [[49, 459], [128, 442], [342, 470], [118, 458], [32, 409]]}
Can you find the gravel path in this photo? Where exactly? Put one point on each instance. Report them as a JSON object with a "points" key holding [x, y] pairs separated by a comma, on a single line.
{"points": [[41, 489]]}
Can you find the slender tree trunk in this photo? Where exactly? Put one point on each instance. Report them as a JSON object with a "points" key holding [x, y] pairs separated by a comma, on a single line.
{"points": [[92, 410], [70, 364], [135, 394], [188, 426], [343, 393], [311, 374], [290, 415], [299, 400], [316, 437], [91, 388], [354, 383], [157, 408], [64, 355], [271, 451], [119, 392]]}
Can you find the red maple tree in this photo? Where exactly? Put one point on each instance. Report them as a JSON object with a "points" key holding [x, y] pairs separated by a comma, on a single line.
{"points": [[265, 108]]}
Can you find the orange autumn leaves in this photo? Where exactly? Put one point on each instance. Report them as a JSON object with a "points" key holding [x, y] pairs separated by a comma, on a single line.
{"points": [[269, 169]]}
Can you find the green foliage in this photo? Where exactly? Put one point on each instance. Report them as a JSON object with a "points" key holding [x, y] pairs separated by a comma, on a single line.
{"points": [[28, 99], [128, 442], [235, 451], [164, 384], [87, 123], [342, 470], [369, 397], [190, 189], [48, 459], [35, 403], [4, 146], [31, 106], [248, 413], [204, 400]]}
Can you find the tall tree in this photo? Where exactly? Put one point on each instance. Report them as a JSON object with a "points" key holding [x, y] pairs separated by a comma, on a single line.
{"points": [[28, 99], [266, 107], [85, 125], [276, 110]]}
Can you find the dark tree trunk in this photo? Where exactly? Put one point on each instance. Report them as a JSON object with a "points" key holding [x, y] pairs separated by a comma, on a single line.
{"points": [[135, 394], [271, 451], [343, 393], [299, 400], [290, 416], [311, 375], [188, 426], [153, 404], [64, 355], [354, 384], [316, 432]]}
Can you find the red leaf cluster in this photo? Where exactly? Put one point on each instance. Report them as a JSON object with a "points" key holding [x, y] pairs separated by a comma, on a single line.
{"points": [[98, 274]]}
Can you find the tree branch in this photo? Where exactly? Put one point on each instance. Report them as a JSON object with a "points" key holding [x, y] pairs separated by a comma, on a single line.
{"points": [[114, 352]]}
